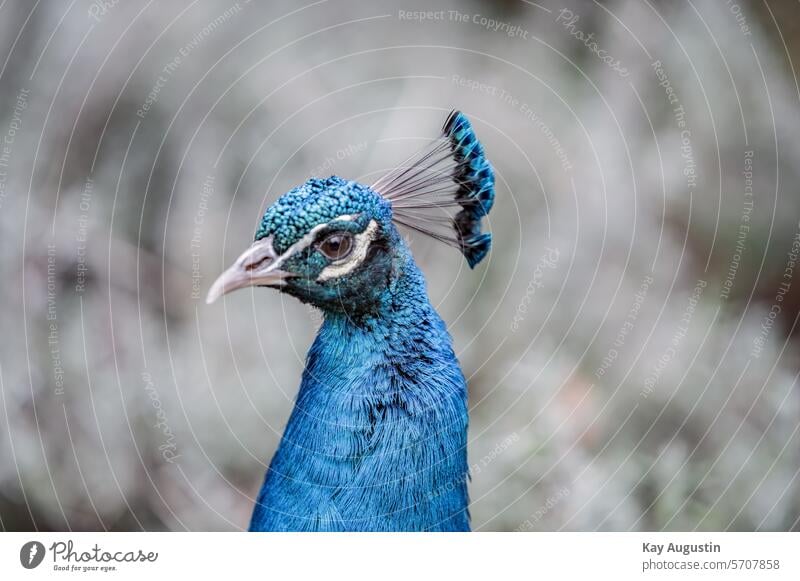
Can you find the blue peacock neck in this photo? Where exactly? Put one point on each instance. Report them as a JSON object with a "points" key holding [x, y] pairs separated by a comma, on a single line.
{"points": [[377, 438], [398, 328]]}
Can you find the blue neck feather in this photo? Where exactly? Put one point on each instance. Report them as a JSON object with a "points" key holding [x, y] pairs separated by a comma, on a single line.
{"points": [[377, 438]]}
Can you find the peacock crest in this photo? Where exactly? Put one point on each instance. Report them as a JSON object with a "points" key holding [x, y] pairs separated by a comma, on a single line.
{"points": [[445, 190]]}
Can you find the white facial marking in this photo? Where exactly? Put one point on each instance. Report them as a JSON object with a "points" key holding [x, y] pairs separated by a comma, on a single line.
{"points": [[356, 256], [308, 239], [301, 244]]}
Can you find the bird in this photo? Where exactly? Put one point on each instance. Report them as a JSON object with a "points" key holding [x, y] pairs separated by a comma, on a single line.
{"points": [[377, 438]]}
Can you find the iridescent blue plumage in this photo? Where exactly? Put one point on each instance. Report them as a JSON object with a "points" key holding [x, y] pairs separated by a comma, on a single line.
{"points": [[377, 438]]}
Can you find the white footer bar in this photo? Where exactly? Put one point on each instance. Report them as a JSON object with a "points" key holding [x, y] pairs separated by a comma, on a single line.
{"points": [[619, 556]]}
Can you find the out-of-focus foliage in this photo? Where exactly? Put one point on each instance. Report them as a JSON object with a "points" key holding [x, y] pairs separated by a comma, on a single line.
{"points": [[628, 345]]}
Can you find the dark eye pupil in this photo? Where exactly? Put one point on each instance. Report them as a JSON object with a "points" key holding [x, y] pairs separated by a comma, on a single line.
{"points": [[336, 246]]}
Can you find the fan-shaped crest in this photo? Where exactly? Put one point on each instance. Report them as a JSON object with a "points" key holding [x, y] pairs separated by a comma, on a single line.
{"points": [[445, 189]]}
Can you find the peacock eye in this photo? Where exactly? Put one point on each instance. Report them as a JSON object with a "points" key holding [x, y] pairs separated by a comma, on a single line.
{"points": [[337, 246]]}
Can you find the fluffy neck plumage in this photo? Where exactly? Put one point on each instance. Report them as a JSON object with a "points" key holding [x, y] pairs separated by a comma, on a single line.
{"points": [[377, 438]]}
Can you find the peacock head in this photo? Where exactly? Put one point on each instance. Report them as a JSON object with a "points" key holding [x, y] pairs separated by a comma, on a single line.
{"points": [[334, 243], [330, 242]]}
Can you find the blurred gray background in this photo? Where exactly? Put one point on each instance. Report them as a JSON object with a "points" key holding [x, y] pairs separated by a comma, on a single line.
{"points": [[630, 344]]}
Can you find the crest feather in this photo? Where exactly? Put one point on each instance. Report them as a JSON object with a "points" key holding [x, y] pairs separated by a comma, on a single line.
{"points": [[445, 189]]}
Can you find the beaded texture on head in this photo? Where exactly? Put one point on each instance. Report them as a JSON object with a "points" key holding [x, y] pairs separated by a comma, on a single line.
{"points": [[316, 202]]}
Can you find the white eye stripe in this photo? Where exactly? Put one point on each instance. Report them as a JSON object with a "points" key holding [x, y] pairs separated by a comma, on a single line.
{"points": [[309, 238], [356, 256]]}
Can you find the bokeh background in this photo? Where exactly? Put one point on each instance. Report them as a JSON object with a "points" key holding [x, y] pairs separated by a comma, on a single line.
{"points": [[630, 344]]}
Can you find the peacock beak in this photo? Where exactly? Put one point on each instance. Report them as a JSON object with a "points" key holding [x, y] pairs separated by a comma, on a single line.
{"points": [[257, 266]]}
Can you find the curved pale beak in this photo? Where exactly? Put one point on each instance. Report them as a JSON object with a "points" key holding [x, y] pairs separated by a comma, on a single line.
{"points": [[257, 266]]}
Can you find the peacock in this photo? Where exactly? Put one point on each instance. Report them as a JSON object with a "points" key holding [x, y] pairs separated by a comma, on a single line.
{"points": [[377, 439]]}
